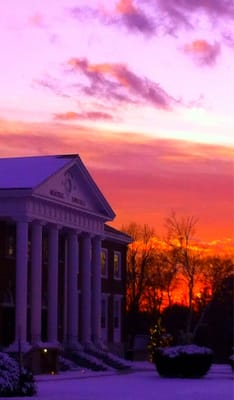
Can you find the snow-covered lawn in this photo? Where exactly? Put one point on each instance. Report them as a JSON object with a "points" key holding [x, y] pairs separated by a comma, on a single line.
{"points": [[143, 383]]}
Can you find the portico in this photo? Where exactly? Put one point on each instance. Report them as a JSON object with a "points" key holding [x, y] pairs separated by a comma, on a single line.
{"points": [[54, 198]]}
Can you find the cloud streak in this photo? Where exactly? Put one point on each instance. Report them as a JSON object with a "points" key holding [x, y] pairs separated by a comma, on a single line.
{"points": [[213, 8], [88, 115], [105, 83], [154, 17], [117, 82], [125, 14]]}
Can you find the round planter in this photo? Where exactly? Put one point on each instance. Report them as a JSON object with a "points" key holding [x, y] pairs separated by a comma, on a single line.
{"points": [[187, 361]]}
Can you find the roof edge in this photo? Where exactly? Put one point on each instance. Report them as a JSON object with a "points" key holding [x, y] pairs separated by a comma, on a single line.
{"points": [[117, 235]]}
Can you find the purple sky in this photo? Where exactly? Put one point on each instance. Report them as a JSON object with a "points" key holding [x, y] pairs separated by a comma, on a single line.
{"points": [[152, 79]]}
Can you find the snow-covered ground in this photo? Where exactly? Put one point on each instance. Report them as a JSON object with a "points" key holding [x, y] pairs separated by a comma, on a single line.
{"points": [[143, 383]]}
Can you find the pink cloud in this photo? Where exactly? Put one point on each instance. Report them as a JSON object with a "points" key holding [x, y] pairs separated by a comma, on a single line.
{"points": [[204, 52], [134, 18], [151, 17], [125, 14], [37, 20], [117, 82], [211, 7]]}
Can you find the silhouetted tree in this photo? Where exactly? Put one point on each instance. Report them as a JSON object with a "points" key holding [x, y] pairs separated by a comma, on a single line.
{"points": [[180, 234]]}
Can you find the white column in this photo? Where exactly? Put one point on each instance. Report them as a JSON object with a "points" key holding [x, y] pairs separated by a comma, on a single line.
{"points": [[21, 283], [96, 290], [53, 285], [36, 281], [65, 308], [72, 290], [85, 268]]}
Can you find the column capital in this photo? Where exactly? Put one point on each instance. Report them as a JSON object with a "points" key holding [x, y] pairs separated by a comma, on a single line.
{"points": [[39, 222], [19, 218], [73, 231], [58, 227], [98, 237], [85, 234]]}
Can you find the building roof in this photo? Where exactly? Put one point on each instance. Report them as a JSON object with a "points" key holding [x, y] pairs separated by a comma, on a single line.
{"points": [[115, 234], [32, 176], [29, 172]]}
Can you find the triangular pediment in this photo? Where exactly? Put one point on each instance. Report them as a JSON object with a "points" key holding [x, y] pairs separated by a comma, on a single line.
{"points": [[73, 186]]}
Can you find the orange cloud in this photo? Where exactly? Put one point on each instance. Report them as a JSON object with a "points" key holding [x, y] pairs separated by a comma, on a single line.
{"points": [[118, 83], [37, 20], [125, 7], [125, 14], [86, 115], [205, 52]]}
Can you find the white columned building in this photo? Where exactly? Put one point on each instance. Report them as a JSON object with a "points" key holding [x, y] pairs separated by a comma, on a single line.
{"points": [[50, 199]]}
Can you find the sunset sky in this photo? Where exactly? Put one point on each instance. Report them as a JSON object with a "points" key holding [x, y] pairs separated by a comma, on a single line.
{"points": [[142, 90]]}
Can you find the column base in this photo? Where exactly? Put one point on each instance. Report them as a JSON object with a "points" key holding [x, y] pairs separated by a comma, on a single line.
{"points": [[89, 346], [47, 346], [74, 346], [101, 346]]}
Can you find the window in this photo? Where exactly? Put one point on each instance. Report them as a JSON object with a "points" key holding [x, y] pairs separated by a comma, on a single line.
{"points": [[116, 313], [117, 265], [10, 245], [104, 317], [104, 263], [103, 313]]}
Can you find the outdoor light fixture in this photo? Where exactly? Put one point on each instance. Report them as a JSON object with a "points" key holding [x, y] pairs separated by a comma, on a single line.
{"points": [[45, 350]]}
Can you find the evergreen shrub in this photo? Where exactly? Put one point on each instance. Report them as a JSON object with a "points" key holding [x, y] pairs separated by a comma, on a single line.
{"points": [[14, 382], [186, 361]]}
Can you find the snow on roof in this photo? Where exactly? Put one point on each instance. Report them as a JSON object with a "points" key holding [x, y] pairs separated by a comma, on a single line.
{"points": [[28, 172]]}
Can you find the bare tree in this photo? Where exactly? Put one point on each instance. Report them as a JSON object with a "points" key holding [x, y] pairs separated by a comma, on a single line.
{"points": [[180, 234], [215, 271], [140, 257]]}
